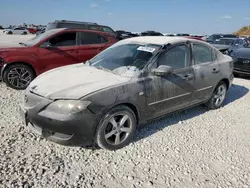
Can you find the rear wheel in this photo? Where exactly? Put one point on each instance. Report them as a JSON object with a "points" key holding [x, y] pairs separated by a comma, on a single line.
{"points": [[10, 32], [117, 128], [24, 33], [18, 76], [218, 97]]}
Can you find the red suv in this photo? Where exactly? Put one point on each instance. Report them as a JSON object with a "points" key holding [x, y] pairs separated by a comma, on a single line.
{"points": [[54, 48]]}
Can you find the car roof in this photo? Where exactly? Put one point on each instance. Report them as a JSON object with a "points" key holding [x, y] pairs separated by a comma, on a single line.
{"points": [[75, 29], [160, 40]]}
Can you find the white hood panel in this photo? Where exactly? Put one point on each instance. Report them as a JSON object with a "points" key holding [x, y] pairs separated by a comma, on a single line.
{"points": [[74, 81]]}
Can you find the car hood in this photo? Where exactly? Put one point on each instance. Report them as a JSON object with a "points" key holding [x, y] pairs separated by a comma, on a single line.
{"points": [[243, 53], [74, 81]]}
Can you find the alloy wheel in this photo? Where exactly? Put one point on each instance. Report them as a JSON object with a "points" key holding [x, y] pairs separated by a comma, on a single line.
{"points": [[118, 129], [220, 95], [19, 77]]}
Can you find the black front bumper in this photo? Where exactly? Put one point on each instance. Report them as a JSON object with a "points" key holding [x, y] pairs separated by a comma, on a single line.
{"points": [[70, 130], [243, 72]]}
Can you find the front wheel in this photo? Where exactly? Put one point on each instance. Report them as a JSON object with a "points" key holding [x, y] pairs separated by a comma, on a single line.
{"points": [[218, 96], [24, 33], [18, 76], [116, 129]]}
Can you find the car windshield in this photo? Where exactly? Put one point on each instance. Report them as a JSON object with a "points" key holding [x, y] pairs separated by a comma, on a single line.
{"points": [[225, 41], [40, 37], [124, 59]]}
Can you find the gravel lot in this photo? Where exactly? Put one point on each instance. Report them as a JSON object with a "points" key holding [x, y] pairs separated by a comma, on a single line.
{"points": [[12, 40], [195, 148]]}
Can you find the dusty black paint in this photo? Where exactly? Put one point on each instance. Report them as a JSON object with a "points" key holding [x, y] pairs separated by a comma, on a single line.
{"points": [[152, 96]]}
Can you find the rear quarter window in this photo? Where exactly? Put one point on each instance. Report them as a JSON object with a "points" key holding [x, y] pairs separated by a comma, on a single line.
{"points": [[203, 54]]}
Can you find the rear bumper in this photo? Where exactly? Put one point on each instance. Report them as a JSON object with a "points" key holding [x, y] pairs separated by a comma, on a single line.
{"points": [[74, 130]]}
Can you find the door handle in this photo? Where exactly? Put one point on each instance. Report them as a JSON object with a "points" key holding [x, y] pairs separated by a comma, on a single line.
{"points": [[215, 70], [188, 77]]}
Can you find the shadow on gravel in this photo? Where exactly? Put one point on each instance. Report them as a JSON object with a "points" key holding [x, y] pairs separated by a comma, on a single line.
{"points": [[235, 92]]}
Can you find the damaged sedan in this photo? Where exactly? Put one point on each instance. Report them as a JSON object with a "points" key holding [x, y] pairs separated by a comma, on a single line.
{"points": [[133, 81]]}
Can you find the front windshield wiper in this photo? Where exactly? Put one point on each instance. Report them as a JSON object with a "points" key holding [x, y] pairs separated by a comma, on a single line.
{"points": [[23, 44]]}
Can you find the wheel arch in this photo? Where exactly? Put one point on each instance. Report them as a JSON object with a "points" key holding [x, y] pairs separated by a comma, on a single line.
{"points": [[18, 63], [130, 105], [226, 81]]}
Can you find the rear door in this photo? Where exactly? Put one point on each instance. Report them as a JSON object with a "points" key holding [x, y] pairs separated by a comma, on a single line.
{"points": [[64, 50], [206, 70], [91, 43]]}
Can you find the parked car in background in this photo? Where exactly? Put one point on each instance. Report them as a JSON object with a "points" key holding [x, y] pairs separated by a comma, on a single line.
{"points": [[193, 37], [214, 37], [169, 34], [54, 48], [151, 33], [40, 31], [241, 59], [17, 30], [32, 30], [228, 45], [79, 25], [140, 78], [1, 28], [182, 34], [121, 34]]}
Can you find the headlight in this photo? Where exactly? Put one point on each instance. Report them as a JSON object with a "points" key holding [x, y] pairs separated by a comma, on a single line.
{"points": [[68, 106]]}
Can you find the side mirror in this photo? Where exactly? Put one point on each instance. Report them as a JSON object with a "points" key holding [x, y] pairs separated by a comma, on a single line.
{"points": [[163, 70], [46, 45]]}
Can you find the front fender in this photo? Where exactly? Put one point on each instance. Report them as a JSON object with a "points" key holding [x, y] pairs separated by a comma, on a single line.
{"points": [[19, 59], [131, 94]]}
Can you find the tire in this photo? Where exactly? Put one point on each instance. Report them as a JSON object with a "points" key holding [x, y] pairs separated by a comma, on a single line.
{"points": [[10, 33], [18, 76], [25, 33], [106, 133], [219, 92]]}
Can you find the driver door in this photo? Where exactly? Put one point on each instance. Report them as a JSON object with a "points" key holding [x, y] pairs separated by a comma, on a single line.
{"points": [[64, 50], [166, 94]]}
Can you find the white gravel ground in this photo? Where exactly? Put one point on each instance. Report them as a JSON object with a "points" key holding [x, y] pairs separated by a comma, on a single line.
{"points": [[195, 148]]}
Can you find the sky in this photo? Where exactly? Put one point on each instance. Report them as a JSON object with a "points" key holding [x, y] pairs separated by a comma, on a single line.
{"points": [[166, 16]]}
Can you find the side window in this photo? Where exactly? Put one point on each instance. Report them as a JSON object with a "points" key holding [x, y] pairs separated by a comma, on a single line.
{"points": [[237, 42], [202, 54], [95, 28], [241, 42], [65, 39], [107, 30], [89, 38], [177, 57]]}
